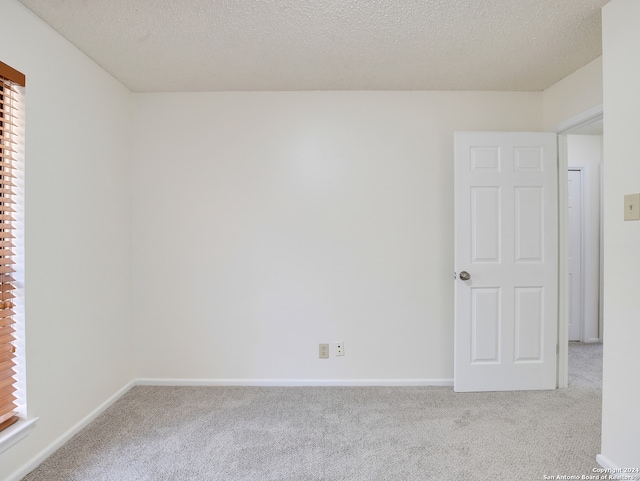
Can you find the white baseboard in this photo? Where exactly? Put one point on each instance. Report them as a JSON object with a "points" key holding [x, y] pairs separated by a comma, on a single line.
{"points": [[604, 462], [49, 450], [293, 382], [611, 469]]}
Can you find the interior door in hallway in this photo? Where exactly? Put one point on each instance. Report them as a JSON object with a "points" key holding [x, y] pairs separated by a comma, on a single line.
{"points": [[506, 261]]}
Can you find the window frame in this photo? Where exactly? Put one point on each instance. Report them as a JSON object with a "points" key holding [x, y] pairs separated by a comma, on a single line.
{"points": [[14, 138]]}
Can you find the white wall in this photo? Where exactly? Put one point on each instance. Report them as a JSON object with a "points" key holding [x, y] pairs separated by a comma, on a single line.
{"points": [[621, 384], [573, 95], [78, 252], [263, 224], [585, 152], [266, 223]]}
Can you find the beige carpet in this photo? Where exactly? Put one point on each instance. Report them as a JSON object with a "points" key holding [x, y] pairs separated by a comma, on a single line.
{"points": [[336, 433]]}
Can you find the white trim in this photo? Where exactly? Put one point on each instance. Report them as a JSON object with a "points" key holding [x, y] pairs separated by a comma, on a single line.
{"points": [[66, 436], [15, 433], [585, 220], [292, 382], [563, 264], [612, 469], [603, 461], [583, 118], [601, 240], [586, 117]]}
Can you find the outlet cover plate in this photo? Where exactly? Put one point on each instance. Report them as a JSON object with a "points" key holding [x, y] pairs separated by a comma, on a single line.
{"points": [[339, 348], [324, 351]]}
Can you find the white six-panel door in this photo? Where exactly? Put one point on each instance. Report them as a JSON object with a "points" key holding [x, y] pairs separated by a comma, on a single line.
{"points": [[506, 235]]}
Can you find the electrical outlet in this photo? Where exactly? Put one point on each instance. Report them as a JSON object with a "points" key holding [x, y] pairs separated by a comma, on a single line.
{"points": [[339, 348], [324, 351]]}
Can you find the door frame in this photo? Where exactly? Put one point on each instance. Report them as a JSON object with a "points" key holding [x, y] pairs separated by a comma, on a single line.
{"points": [[588, 116]]}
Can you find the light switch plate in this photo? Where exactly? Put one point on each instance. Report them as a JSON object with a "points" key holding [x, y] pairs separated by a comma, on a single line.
{"points": [[632, 207]]}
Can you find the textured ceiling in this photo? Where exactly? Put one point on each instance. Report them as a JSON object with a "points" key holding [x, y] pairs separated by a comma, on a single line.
{"points": [[214, 45]]}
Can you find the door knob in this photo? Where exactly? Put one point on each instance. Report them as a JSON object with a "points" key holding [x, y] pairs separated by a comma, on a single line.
{"points": [[465, 276]]}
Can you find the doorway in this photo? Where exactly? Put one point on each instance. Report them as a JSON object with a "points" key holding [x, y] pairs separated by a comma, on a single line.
{"points": [[584, 154], [580, 140], [589, 122]]}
